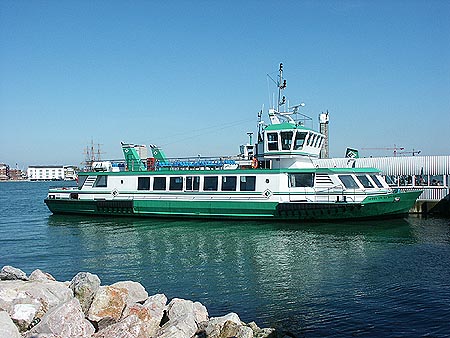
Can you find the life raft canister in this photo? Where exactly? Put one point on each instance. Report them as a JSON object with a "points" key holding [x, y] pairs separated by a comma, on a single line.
{"points": [[254, 163]]}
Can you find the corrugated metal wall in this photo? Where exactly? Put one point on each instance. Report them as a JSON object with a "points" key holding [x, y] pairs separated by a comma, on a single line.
{"points": [[404, 165]]}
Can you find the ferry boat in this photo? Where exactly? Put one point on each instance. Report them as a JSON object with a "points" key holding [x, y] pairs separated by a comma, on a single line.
{"points": [[276, 178]]}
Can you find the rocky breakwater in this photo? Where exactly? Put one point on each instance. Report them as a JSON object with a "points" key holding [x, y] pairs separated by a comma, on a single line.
{"points": [[38, 306]]}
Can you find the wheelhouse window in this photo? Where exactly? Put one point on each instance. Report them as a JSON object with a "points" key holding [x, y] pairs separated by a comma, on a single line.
{"points": [[364, 180], [321, 142], [229, 183], [348, 181], [286, 140], [272, 141], [376, 181], [210, 183], [301, 180], [318, 140], [299, 140], [143, 183], [192, 183], [176, 183], [101, 181], [159, 183], [247, 183], [310, 138]]}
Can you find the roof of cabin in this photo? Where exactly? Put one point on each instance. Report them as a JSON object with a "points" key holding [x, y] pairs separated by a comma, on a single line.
{"points": [[286, 125]]}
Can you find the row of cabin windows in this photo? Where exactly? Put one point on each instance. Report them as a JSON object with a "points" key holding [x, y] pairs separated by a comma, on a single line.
{"points": [[289, 142], [193, 183], [246, 183], [305, 180], [349, 182]]}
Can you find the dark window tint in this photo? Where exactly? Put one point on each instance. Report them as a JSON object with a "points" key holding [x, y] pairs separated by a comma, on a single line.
{"points": [[159, 183], [192, 183], [210, 183], [286, 140], [81, 180], [377, 181], [229, 183], [299, 140], [176, 183], [143, 183], [364, 181], [301, 180], [348, 181], [101, 181], [247, 183], [272, 141]]}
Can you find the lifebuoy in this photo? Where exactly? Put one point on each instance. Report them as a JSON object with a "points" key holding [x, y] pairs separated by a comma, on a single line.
{"points": [[254, 163]]}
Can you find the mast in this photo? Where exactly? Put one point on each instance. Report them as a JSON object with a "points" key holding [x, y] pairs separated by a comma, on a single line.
{"points": [[281, 85]]}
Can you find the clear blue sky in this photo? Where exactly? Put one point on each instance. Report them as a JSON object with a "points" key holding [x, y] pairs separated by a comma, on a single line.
{"points": [[191, 75]]}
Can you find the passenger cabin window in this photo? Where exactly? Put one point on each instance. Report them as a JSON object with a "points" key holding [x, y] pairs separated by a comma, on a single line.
{"points": [[101, 181], [301, 180], [176, 183], [376, 181], [364, 181], [272, 141], [159, 183], [192, 183], [286, 140], [143, 183], [247, 183], [348, 181], [81, 180], [299, 140], [210, 183], [229, 183]]}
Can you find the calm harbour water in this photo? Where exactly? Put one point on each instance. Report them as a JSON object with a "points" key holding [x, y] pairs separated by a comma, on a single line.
{"points": [[369, 279]]}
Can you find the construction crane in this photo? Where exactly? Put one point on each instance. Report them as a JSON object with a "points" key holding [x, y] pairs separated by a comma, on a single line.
{"points": [[413, 152], [394, 149]]}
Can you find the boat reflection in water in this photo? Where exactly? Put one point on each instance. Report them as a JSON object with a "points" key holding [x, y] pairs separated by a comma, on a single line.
{"points": [[317, 279]]}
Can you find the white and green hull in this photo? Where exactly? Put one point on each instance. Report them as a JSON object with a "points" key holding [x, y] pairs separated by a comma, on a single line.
{"points": [[271, 197], [385, 207]]}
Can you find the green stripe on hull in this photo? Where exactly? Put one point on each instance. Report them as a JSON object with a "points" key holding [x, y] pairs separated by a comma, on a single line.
{"points": [[372, 207], [236, 209]]}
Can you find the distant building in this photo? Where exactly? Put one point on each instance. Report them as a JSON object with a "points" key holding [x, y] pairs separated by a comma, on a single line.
{"points": [[16, 174], [4, 172], [45, 173], [52, 172]]}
